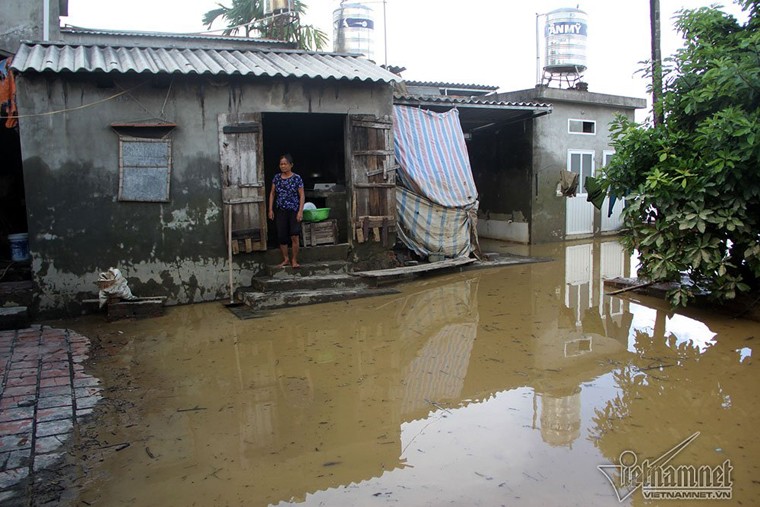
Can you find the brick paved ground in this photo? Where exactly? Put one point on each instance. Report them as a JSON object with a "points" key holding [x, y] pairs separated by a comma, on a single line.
{"points": [[44, 392]]}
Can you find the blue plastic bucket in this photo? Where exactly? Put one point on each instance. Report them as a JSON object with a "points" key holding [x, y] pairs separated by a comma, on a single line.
{"points": [[19, 246]]}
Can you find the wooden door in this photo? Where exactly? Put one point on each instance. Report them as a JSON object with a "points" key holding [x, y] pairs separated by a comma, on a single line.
{"points": [[242, 171], [373, 178]]}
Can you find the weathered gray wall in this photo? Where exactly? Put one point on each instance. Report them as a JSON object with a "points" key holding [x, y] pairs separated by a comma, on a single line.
{"points": [[552, 142], [77, 226], [22, 20]]}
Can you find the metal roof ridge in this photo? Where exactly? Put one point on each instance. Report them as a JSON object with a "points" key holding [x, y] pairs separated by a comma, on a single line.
{"points": [[467, 100]]}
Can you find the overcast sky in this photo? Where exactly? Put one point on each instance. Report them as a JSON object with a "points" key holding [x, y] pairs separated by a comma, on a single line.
{"points": [[490, 42]]}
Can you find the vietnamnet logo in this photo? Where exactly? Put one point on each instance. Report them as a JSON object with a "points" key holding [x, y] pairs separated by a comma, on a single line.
{"points": [[658, 480], [566, 28]]}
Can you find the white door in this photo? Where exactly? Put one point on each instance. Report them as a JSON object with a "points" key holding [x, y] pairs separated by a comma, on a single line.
{"points": [[579, 213], [579, 283], [613, 221], [611, 265]]}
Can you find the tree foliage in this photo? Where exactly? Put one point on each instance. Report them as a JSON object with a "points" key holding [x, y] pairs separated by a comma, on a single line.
{"points": [[248, 16], [692, 183]]}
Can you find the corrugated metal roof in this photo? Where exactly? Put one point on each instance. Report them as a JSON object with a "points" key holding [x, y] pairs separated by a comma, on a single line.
{"points": [[70, 32], [58, 57], [477, 101], [457, 86]]}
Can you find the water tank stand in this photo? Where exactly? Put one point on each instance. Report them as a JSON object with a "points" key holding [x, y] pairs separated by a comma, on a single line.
{"points": [[571, 78]]}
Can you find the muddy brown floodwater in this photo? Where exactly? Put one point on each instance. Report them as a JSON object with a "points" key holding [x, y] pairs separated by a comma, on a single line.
{"points": [[521, 385]]}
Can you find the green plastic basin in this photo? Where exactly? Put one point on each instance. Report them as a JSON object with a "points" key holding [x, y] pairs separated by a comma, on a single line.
{"points": [[316, 215]]}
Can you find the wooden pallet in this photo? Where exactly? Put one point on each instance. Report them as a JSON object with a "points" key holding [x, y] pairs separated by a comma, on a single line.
{"points": [[391, 275], [319, 233]]}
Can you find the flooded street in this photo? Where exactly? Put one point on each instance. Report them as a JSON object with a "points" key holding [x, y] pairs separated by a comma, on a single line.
{"points": [[505, 386]]}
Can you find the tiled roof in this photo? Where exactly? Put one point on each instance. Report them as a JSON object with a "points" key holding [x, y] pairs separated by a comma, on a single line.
{"points": [[60, 57]]}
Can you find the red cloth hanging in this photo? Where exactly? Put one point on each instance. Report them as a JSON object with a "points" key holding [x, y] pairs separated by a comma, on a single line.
{"points": [[8, 109]]}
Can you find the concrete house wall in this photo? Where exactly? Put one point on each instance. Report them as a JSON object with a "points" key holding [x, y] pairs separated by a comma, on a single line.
{"points": [[77, 225], [25, 20], [551, 142]]}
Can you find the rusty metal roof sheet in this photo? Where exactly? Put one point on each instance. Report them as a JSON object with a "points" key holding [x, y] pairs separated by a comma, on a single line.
{"points": [[80, 58], [473, 102], [441, 84]]}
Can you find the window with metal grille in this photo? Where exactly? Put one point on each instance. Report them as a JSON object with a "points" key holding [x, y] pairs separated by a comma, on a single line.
{"points": [[144, 169]]}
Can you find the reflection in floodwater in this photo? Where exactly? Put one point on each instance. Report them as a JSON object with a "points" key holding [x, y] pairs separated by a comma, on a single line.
{"points": [[447, 318], [504, 386]]}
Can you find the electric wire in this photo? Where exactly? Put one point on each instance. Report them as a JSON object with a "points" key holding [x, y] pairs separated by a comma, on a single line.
{"points": [[78, 108]]}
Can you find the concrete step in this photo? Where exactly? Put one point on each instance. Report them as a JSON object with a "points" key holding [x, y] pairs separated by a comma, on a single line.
{"points": [[14, 317], [307, 269], [306, 255], [17, 293], [286, 299], [313, 282]]}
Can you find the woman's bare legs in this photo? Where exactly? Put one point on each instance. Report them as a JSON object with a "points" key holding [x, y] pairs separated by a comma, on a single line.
{"points": [[294, 241], [285, 260]]}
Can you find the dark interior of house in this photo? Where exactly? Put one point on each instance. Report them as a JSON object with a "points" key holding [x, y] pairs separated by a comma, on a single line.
{"points": [[12, 205], [316, 142], [501, 167]]}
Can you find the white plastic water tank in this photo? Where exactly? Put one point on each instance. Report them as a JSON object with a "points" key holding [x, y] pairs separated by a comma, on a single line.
{"points": [[566, 33], [354, 30]]}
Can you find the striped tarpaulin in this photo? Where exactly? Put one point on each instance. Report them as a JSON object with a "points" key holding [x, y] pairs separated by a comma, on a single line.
{"points": [[432, 155], [426, 227]]}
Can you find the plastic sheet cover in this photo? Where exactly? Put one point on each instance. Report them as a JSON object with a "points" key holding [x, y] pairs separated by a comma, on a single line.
{"points": [[432, 155], [436, 199]]}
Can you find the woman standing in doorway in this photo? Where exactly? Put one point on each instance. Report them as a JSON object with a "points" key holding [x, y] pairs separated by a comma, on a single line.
{"points": [[287, 197]]}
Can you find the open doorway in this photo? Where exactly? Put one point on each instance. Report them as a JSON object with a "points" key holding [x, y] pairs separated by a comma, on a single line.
{"points": [[316, 142], [14, 273], [12, 203]]}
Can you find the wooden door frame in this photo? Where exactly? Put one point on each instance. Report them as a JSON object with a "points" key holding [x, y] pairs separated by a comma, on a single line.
{"points": [[246, 201], [369, 171]]}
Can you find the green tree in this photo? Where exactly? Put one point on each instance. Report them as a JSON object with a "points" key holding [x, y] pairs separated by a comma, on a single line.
{"points": [[248, 15], [692, 182]]}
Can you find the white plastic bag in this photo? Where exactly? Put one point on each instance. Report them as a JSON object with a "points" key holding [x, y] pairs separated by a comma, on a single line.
{"points": [[112, 283]]}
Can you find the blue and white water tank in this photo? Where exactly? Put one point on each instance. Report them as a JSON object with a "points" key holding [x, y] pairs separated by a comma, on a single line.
{"points": [[354, 29], [566, 32]]}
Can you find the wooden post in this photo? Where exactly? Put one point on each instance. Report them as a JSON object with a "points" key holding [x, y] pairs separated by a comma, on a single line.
{"points": [[229, 249]]}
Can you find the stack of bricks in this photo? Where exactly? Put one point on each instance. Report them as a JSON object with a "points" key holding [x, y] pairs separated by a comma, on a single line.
{"points": [[44, 393]]}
